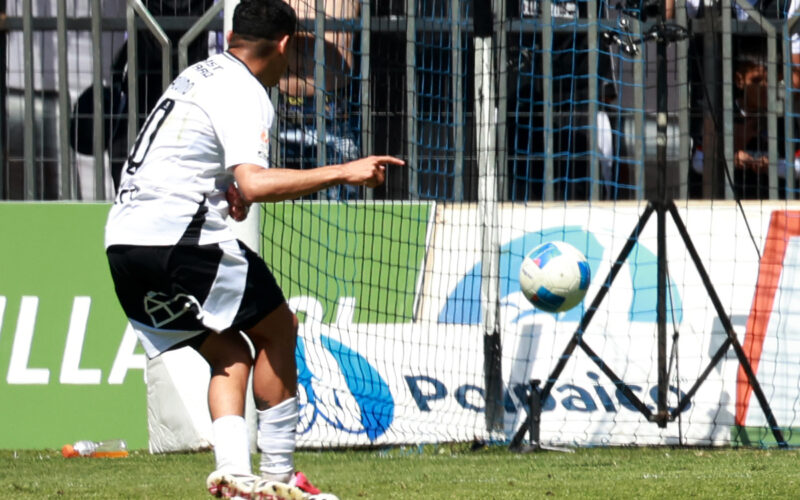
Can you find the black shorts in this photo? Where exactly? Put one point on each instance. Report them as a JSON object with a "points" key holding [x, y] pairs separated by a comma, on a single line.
{"points": [[177, 295]]}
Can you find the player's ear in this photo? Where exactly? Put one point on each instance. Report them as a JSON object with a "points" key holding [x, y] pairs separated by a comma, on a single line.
{"points": [[283, 44], [228, 37]]}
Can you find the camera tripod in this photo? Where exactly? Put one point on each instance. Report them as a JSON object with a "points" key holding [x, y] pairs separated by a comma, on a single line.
{"points": [[660, 205]]}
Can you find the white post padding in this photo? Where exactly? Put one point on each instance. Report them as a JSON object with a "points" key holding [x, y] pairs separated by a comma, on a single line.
{"points": [[177, 403], [177, 407]]}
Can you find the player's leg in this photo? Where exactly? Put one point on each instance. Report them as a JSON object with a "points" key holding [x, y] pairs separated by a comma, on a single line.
{"points": [[275, 390], [264, 316], [228, 356], [160, 289]]}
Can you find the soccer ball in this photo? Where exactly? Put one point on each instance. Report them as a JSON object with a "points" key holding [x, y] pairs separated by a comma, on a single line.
{"points": [[554, 276]]}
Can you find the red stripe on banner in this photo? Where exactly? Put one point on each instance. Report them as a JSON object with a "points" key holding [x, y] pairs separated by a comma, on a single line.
{"points": [[782, 226]]}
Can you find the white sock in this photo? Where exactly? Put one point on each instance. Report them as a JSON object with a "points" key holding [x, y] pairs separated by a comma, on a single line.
{"points": [[231, 444], [276, 440]]}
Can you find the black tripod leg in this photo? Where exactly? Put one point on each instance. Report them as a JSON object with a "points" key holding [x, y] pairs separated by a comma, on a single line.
{"points": [[684, 402], [726, 323], [535, 405], [516, 441], [601, 294], [622, 386]]}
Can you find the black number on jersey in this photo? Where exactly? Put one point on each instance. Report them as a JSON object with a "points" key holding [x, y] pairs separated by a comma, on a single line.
{"points": [[148, 133]]}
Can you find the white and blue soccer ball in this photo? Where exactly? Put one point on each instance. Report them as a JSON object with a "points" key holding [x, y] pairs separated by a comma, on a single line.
{"points": [[554, 276]]}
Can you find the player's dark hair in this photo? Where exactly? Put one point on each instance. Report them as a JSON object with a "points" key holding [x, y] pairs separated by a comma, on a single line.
{"points": [[268, 19]]}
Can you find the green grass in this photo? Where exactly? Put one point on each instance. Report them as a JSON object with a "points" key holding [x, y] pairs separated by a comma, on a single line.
{"points": [[443, 471]]}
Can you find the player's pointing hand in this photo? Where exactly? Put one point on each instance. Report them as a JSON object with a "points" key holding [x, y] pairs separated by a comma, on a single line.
{"points": [[369, 171]]}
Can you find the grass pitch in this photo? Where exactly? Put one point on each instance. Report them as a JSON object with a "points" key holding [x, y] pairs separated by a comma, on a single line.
{"points": [[443, 471]]}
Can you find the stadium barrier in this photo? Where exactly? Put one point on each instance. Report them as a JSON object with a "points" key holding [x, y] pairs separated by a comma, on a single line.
{"points": [[413, 327], [409, 367]]}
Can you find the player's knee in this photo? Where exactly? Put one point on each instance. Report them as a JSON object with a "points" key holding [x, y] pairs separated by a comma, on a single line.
{"points": [[226, 351], [233, 368]]}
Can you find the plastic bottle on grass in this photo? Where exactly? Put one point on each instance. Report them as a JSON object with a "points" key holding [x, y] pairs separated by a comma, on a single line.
{"points": [[113, 448]]}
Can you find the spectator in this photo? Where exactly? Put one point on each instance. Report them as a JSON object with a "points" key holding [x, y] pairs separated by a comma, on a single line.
{"points": [[46, 86], [148, 67], [750, 132], [794, 39], [571, 123], [297, 105], [748, 183]]}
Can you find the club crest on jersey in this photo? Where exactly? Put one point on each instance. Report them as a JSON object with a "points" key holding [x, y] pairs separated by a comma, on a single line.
{"points": [[263, 150], [182, 85]]}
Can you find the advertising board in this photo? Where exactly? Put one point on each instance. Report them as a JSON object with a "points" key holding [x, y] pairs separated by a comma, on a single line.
{"points": [[391, 335]]}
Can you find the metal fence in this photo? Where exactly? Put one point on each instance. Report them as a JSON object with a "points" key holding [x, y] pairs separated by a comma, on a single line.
{"points": [[420, 79]]}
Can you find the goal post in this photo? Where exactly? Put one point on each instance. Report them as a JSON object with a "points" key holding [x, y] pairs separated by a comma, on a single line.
{"points": [[488, 190]]}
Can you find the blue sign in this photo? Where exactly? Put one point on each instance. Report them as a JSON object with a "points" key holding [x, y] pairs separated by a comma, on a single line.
{"points": [[463, 305], [366, 385]]}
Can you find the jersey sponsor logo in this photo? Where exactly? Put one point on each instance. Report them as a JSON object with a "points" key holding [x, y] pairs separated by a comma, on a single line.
{"points": [[207, 68], [127, 192]]}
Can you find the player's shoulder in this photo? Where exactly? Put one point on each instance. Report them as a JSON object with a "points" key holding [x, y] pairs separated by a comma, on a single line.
{"points": [[217, 81], [215, 68], [224, 70]]}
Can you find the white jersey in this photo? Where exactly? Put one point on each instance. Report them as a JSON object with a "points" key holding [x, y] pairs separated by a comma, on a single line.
{"points": [[214, 116]]}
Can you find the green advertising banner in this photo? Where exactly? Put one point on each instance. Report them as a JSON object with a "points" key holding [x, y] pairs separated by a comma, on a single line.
{"points": [[69, 369], [372, 253]]}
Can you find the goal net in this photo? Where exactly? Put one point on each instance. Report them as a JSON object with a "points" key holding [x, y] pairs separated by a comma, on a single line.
{"points": [[523, 122]]}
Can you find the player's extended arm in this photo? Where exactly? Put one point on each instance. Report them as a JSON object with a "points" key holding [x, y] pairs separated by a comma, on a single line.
{"points": [[258, 184]]}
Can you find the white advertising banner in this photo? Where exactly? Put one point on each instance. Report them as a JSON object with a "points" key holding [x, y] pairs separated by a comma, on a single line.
{"points": [[423, 381]]}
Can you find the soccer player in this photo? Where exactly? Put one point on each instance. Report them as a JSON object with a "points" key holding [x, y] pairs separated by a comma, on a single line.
{"points": [[180, 274]]}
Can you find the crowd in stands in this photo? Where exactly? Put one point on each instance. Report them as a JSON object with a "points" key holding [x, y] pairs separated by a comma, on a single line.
{"points": [[572, 146]]}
